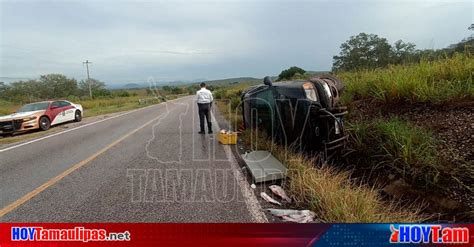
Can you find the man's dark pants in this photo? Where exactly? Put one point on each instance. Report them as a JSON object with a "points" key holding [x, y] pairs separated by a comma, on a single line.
{"points": [[205, 111]]}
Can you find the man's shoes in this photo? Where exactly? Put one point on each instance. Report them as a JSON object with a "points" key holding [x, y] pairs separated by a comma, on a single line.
{"points": [[201, 132], [210, 132]]}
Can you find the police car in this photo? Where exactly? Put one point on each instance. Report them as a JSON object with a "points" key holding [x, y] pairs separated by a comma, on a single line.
{"points": [[40, 115]]}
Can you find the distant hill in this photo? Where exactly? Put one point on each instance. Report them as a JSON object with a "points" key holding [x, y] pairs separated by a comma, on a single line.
{"points": [[229, 81], [126, 86], [219, 82], [133, 85]]}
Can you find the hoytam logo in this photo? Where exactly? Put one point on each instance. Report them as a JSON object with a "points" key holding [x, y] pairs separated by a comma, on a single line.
{"points": [[76, 234], [429, 234]]}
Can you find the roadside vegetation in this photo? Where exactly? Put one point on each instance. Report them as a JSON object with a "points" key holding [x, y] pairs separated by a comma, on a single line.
{"points": [[401, 117], [402, 148], [396, 167], [440, 81], [228, 101], [326, 190], [332, 193]]}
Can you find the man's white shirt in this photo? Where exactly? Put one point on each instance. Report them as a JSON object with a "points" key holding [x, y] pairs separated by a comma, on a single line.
{"points": [[204, 96]]}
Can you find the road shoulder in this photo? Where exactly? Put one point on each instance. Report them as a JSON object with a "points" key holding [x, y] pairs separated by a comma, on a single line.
{"points": [[253, 204]]}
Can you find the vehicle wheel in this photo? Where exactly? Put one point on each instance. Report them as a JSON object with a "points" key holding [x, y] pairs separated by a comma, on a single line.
{"points": [[77, 116], [323, 96], [44, 123]]}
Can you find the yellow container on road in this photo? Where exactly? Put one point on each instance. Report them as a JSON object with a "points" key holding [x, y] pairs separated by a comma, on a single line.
{"points": [[227, 138]]}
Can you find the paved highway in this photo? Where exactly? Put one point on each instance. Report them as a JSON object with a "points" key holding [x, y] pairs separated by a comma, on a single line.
{"points": [[146, 165]]}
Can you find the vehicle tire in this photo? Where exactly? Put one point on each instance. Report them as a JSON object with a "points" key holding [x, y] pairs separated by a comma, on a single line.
{"points": [[325, 99], [77, 116], [44, 123]]}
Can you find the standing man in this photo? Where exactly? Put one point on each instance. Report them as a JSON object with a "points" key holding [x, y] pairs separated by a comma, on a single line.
{"points": [[204, 101]]}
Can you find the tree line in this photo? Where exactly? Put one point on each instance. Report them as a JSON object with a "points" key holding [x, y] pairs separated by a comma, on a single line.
{"points": [[51, 86], [58, 86], [369, 51]]}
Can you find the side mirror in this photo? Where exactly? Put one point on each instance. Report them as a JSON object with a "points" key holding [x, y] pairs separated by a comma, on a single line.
{"points": [[267, 81]]}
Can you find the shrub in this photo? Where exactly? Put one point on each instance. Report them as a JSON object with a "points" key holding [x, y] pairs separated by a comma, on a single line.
{"points": [[287, 74], [123, 93]]}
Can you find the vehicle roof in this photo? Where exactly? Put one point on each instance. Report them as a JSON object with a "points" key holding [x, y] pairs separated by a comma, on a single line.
{"points": [[48, 101], [44, 101]]}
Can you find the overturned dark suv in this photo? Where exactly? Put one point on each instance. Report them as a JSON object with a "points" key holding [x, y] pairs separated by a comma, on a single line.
{"points": [[303, 114]]}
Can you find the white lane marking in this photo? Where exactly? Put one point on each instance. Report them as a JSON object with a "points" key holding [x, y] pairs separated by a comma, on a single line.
{"points": [[80, 127], [253, 206]]}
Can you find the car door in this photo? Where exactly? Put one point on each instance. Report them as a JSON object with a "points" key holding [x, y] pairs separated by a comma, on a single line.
{"points": [[55, 112], [61, 111], [67, 110]]}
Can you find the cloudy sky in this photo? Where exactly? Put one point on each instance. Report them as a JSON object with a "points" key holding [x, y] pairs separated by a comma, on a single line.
{"points": [[129, 41]]}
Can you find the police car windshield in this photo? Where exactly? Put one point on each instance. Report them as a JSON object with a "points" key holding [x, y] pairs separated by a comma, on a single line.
{"points": [[34, 107]]}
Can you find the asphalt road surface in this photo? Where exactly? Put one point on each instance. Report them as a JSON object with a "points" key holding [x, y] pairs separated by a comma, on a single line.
{"points": [[147, 165]]}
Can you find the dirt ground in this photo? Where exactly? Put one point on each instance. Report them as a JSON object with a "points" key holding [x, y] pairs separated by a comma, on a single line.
{"points": [[452, 124]]}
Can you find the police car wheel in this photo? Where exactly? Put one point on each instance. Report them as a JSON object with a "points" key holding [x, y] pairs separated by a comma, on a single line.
{"points": [[77, 116], [44, 123]]}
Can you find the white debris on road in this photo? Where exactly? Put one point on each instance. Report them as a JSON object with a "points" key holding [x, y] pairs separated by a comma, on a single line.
{"points": [[292, 215], [269, 199]]}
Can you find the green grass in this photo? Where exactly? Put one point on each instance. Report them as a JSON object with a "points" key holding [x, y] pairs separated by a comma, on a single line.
{"points": [[228, 101], [397, 146], [439, 81], [109, 105], [7, 107]]}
